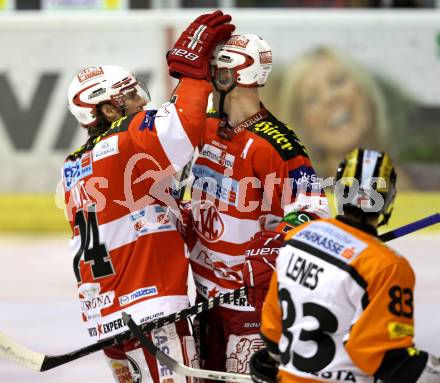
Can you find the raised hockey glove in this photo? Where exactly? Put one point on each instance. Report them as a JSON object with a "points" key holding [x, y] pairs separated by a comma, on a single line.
{"points": [[264, 368], [259, 265], [192, 52]]}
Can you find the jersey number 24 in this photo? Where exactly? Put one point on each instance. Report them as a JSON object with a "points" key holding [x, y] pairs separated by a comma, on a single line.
{"points": [[91, 250]]}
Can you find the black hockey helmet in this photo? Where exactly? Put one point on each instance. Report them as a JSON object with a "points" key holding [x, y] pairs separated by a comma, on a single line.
{"points": [[364, 175]]}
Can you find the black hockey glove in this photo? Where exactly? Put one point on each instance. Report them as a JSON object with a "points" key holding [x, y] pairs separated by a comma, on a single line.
{"points": [[264, 368]]}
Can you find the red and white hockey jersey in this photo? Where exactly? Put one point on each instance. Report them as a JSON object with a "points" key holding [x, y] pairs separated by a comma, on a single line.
{"points": [[127, 255], [242, 186]]}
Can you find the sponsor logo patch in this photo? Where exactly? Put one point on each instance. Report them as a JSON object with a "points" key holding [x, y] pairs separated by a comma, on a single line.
{"points": [[148, 121], [96, 93], [237, 41], [89, 73], [280, 136], [270, 130], [152, 317], [138, 294], [106, 148], [73, 171], [221, 187], [149, 219], [304, 179], [398, 330], [217, 156], [266, 57], [121, 371], [92, 301], [331, 240]]}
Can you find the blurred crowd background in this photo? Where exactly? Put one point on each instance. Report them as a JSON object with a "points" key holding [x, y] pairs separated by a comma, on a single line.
{"points": [[350, 76], [149, 4]]}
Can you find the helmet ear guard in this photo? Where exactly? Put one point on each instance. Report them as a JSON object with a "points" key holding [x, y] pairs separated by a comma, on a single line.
{"points": [[366, 184]]}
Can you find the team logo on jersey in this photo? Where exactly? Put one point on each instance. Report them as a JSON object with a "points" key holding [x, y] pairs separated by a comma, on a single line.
{"points": [[163, 219], [138, 294], [92, 301], [217, 156], [209, 224], [106, 148], [216, 184], [73, 171]]}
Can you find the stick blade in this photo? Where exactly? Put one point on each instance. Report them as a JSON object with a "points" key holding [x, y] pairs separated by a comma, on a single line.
{"points": [[10, 349]]}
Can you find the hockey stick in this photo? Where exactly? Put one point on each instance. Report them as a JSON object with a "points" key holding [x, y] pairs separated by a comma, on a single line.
{"points": [[40, 362], [176, 366], [411, 227]]}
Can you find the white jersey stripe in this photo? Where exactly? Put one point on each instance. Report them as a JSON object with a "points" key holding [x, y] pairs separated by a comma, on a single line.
{"points": [[172, 136]]}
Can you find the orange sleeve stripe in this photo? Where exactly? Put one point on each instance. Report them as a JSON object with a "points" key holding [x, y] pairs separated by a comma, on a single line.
{"points": [[271, 314]]}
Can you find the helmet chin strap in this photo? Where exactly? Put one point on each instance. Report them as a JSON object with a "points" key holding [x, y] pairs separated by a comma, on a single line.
{"points": [[224, 130]]}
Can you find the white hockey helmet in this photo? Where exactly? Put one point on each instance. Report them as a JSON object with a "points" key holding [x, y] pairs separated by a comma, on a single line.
{"points": [[95, 86], [243, 60]]}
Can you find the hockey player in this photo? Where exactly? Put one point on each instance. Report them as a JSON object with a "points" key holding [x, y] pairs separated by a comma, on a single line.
{"points": [[251, 171], [116, 189], [340, 306]]}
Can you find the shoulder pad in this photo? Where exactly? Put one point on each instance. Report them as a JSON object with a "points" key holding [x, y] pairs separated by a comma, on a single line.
{"points": [[120, 125], [280, 136], [212, 113]]}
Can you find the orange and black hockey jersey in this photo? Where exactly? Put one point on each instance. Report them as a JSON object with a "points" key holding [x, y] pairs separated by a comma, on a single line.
{"points": [[244, 185], [126, 254], [340, 308]]}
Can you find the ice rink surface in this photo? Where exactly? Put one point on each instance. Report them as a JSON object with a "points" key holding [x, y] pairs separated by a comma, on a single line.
{"points": [[39, 306]]}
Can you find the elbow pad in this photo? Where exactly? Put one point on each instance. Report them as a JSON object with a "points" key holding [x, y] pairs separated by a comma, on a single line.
{"points": [[431, 372]]}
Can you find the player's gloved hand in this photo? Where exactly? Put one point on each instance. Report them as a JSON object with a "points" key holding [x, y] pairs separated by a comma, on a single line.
{"points": [[259, 265], [264, 368], [294, 219], [192, 52]]}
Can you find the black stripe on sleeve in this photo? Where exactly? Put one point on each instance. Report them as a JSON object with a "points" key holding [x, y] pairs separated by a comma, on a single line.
{"points": [[398, 366]]}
